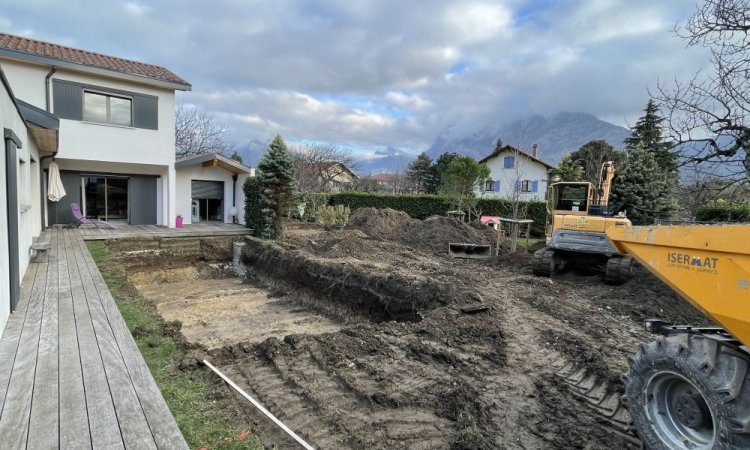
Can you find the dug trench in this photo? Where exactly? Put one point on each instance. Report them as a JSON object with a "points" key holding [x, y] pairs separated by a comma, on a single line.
{"points": [[360, 341]]}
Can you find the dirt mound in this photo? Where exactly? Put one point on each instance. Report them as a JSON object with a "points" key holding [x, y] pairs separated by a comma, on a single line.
{"points": [[380, 223], [435, 233]]}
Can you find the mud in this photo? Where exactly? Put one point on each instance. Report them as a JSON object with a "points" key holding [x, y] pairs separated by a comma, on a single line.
{"points": [[384, 358]]}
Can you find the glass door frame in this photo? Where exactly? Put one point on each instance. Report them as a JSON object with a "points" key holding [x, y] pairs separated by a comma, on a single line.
{"points": [[84, 206]]}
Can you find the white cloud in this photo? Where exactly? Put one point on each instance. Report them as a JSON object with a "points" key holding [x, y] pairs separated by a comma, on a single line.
{"points": [[293, 67]]}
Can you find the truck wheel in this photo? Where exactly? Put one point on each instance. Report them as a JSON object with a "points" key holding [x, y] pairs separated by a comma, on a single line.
{"points": [[546, 263], [619, 270], [689, 392]]}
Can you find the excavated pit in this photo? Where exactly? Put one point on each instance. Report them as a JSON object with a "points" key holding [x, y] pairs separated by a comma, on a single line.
{"points": [[359, 338]]}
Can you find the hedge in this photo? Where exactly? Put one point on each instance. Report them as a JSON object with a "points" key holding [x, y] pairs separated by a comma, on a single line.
{"points": [[254, 216], [424, 206], [722, 211]]}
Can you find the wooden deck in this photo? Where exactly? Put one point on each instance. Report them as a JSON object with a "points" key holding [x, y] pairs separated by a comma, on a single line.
{"points": [[91, 233], [71, 375]]}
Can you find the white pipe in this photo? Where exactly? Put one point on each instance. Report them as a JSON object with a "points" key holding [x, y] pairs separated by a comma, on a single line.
{"points": [[260, 407]]}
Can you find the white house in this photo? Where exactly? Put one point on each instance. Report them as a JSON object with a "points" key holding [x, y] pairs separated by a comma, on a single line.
{"points": [[516, 174], [116, 148]]}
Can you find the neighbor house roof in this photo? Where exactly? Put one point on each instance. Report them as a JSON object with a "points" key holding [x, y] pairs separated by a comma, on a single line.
{"points": [[322, 166], [21, 48], [214, 160], [515, 150]]}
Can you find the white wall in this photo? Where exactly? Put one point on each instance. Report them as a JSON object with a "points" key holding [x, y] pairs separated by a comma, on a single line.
{"points": [[524, 169], [93, 144], [198, 172], [29, 223]]}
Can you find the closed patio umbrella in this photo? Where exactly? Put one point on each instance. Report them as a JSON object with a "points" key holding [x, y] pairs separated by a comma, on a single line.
{"points": [[55, 189]]}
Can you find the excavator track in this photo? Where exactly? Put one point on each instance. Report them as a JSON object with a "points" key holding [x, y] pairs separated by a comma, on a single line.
{"points": [[544, 262], [596, 393]]}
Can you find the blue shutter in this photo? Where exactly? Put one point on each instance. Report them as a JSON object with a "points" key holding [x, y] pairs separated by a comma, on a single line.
{"points": [[497, 186], [518, 185], [534, 186], [508, 162]]}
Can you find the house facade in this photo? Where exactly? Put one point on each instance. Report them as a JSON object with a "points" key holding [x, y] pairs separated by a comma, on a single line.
{"points": [[116, 150], [515, 174]]}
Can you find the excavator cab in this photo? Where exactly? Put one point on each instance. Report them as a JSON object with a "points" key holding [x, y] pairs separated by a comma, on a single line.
{"points": [[577, 218]]}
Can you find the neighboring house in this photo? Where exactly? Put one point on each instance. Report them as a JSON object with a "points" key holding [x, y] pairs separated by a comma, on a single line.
{"points": [[30, 134], [515, 174], [386, 182], [116, 134], [325, 176], [215, 186]]}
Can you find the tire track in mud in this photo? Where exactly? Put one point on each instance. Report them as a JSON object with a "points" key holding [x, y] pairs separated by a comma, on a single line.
{"points": [[328, 412], [536, 375]]}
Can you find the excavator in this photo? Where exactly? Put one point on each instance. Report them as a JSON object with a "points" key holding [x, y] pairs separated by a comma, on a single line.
{"points": [[690, 388], [577, 218]]}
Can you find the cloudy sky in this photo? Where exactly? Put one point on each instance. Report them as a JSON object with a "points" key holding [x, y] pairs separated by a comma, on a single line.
{"points": [[371, 73]]}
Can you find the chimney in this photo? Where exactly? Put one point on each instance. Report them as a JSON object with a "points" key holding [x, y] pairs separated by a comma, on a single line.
{"points": [[535, 151]]}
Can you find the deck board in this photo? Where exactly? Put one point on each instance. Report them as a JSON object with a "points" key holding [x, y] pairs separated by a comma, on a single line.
{"points": [[71, 375], [124, 231]]}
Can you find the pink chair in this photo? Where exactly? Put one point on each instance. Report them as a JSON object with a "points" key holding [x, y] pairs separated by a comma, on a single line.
{"points": [[80, 219]]}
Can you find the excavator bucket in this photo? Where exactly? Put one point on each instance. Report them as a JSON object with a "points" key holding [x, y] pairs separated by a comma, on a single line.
{"points": [[474, 251]]}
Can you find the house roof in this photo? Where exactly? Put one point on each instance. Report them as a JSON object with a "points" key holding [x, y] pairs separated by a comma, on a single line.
{"points": [[43, 126], [22, 48], [515, 150], [384, 176], [214, 160], [321, 166]]}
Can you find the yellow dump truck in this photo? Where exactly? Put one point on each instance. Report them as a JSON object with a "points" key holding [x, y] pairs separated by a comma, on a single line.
{"points": [[690, 389]]}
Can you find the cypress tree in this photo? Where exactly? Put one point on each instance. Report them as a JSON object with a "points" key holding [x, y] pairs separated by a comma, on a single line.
{"points": [[279, 184]]}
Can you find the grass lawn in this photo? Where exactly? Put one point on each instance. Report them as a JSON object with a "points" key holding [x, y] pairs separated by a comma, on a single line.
{"points": [[189, 394]]}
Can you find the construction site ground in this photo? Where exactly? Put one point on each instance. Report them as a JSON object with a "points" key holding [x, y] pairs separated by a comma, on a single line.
{"points": [[371, 337]]}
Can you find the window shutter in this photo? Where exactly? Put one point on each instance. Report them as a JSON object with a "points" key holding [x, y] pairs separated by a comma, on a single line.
{"points": [[67, 100], [518, 185], [534, 186], [146, 112], [497, 186]]}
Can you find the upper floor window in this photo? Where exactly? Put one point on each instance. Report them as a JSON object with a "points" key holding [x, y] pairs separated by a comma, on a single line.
{"points": [[110, 109], [509, 162]]}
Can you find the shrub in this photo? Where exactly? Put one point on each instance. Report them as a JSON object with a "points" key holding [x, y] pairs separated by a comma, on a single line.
{"points": [[723, 211], [254, 206], [333, 216]]}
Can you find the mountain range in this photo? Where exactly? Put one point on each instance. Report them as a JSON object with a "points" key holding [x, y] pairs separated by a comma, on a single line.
{"points": [[555, 136]]}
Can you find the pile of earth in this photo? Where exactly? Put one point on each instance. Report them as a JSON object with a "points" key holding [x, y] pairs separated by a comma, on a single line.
{"points": [[431, 235]]}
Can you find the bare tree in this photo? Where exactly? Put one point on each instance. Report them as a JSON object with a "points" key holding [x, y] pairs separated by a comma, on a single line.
{"points": [[711, 111], [322, 167], [197, 132]]}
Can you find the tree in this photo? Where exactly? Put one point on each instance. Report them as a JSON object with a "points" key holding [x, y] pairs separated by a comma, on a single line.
{"points": [[198, 132], [236, 156], [438, 169], [641, 188], [276, 170], [418, 172], [569, 170], [319, 166], [709, 115], [648, 132], [593, 154], [461, 179]]}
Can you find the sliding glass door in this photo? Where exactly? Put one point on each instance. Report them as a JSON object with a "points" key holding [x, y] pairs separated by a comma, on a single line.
{"points": [[105, 197]]}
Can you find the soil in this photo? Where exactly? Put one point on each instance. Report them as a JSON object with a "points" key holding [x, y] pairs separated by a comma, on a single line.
{"points": [[356, 338]]}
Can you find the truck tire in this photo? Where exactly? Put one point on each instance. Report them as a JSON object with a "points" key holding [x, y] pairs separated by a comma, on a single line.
{"points": [[689, 391], [619, 270]]}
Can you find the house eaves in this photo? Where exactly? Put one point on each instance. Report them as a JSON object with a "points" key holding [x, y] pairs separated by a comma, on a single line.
{"points": [[43, 126], [515, 150], [214, 160]]}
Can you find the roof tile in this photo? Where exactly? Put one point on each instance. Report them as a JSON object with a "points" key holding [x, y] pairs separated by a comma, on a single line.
{"points": [[86, 58]]}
